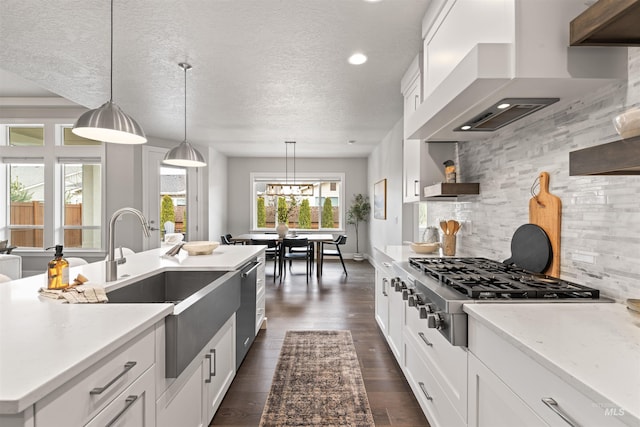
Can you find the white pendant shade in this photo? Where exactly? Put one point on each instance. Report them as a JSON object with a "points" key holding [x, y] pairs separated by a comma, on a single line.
{"points": [[184, 155], [109, 123]]}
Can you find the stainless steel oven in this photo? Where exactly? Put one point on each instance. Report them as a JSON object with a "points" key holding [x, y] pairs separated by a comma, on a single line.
{"points": [[439, 287]]}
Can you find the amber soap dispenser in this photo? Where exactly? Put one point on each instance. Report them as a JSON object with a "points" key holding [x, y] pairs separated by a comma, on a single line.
{"points": [[58, 271]]}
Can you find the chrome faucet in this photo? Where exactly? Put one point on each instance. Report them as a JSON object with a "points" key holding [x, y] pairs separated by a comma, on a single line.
{"points": [[112, 263]]}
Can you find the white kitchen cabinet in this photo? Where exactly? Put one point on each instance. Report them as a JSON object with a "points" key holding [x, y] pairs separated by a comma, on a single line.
{"points": [[185, 408], [82, 398], [396, 324], [411, 170], [134, 407], [389, 306], [192, 399], [260, 292], [546, 395], [492, 403], [383, 275], [432, 399], [448, 363], [411, 88], [424, 166], [459, 26], [219, 368]]}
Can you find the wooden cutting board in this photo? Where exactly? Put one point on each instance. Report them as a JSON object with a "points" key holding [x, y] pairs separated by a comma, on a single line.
{"points": [[545, 210]]}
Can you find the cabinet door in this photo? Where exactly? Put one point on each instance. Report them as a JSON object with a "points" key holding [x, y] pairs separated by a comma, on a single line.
{"points": [[185, 409], [218, 368], [382, 300], [134, 407], [492, 403], [396, 323], [411, 170]]}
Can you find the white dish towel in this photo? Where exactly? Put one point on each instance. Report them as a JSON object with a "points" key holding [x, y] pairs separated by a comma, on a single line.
{"points": [[81, 294]]}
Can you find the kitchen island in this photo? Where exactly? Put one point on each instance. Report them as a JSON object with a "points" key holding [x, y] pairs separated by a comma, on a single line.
{"points": [[46, 343]]}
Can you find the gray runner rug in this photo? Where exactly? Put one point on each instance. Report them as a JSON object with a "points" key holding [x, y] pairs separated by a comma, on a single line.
{"points": [[317, 382]]}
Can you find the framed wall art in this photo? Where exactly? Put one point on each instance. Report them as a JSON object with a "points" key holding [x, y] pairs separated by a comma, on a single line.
{"points": [[380, 199]]}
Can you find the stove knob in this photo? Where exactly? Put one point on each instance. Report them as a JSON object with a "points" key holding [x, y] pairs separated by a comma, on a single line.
{"points": [[434, 321], [413, 300], [422, 310], [406, 293], [400, 286]]}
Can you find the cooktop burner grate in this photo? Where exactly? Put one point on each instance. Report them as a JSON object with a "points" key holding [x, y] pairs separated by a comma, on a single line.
{"points": [[481, 278]]}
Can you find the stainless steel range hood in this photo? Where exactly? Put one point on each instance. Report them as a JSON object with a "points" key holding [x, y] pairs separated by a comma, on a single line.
{"points": [[503, 112]]}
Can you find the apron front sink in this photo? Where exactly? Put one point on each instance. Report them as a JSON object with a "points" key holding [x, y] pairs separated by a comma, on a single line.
{"points": [[204, 301]]}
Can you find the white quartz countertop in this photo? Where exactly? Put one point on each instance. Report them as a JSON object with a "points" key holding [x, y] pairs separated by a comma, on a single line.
{"points": [[44, 343], [595, 347], [401, 253]]}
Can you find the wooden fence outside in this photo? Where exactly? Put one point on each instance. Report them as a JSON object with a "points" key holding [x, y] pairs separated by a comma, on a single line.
{"points": [[32, 213]]}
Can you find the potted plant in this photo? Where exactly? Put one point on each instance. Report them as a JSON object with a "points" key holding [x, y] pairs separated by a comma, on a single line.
{"points": [[358, 212]]}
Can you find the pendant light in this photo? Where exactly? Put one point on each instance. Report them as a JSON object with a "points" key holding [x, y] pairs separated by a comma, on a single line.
{"points": [[184, 154], [108, 122]]}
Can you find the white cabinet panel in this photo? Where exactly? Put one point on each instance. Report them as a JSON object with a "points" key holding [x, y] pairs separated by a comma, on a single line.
{"points": [[492, 403], [96, 387], [396, 322], [433, 400], [533, 383], [462, 25], [185, 408], [448, 362], [219, 368], [134, 407]]}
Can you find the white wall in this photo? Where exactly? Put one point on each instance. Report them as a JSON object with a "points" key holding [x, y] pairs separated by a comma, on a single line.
{"points": [[216, 192], [240, 191], [386, 162]]}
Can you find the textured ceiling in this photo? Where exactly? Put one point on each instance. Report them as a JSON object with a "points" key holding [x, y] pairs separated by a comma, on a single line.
{"points": [[264, 71]]}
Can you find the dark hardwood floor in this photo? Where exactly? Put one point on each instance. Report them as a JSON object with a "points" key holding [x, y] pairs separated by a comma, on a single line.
{"points": [[335, 301]]}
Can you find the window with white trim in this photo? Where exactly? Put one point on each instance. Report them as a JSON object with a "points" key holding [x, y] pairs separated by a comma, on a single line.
{"points": [[314, 202], [52, 183]]}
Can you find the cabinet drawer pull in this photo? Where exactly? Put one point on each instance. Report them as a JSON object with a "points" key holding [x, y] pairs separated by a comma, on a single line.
{"points": [[208, 356], [130, 400], [553, 405], [213, 350], [384, 287], [424, 390], [127, 368], [426, 341], [416, 188]]}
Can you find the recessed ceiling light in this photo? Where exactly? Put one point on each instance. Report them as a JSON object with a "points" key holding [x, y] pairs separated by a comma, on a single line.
{"points": [[372, 1], [357, 59], [465, 127], [503, 106], [351, 141]]}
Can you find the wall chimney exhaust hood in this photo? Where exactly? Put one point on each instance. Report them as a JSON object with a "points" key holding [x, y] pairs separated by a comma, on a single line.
{"points": [[531, 67]]}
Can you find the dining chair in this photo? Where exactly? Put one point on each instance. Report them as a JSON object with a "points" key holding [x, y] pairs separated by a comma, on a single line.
{"points": [[226, 240], [288, 255], [271, 253], [339, 241]]}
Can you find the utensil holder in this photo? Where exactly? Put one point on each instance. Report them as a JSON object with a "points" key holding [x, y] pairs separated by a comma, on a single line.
{"points": [[449, 244]]}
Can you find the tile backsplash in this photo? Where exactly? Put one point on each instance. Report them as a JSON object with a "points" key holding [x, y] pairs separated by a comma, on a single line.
{"points": [[600, 234]]}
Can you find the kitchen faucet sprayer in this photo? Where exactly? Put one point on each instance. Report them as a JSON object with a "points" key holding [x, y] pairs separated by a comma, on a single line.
{"points": [[112, 263]]}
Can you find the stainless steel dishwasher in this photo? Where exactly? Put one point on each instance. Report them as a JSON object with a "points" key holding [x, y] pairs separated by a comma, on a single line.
{"points": [[246, 314]]}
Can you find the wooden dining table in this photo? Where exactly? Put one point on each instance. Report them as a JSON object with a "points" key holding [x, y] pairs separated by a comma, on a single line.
{"points": [[316, 238]]}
